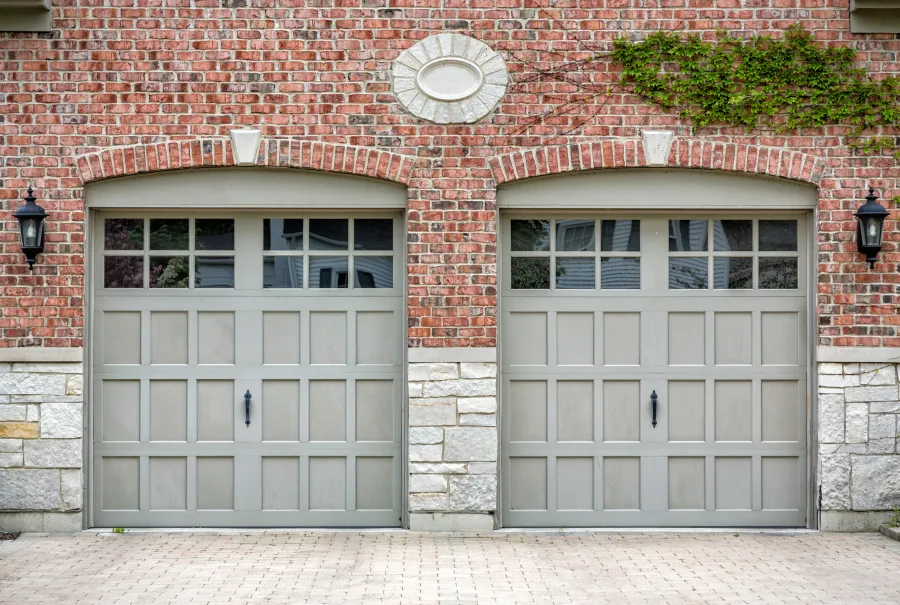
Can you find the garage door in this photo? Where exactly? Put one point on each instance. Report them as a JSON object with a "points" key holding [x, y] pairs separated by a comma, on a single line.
{"points": [[246, 369], [703, 315]]}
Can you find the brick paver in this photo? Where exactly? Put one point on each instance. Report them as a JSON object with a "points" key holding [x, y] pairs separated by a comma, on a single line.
{"points": [[405, 567]]}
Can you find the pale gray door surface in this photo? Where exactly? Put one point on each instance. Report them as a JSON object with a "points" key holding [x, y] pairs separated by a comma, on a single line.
{"points": [[707, 313], [195, 313]]}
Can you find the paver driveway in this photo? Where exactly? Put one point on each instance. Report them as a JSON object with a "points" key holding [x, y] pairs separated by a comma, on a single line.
{"points": [[404, 567]]}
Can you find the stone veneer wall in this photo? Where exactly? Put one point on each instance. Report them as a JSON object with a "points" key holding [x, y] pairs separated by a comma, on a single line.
{"points": [[41, 428], [453, 445], [859, 443]]}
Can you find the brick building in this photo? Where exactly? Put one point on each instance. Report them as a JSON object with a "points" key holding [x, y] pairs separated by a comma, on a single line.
{"points": [[382, 264]]}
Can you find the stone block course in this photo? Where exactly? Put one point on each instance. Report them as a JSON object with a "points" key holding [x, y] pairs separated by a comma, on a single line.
{"points": [[53, 453], [61, 421], [18, 430]]}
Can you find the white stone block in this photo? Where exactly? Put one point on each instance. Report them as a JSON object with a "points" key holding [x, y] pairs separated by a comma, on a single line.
{"points": [[425, 372], [62, 522], [876, 482], [34, 413], [657, 146], [478, 370], [10, 445], [48, 368], [53, 453], [433, 414], [425, 453], [476, 405], [871, 394], [857, 426], [877, 374], [16, 383], [836, 482], [29, 489], [245, 146], [838, 381], [440, 468], [435, 502], [70, 483], [427, 483], [470, 445], [75, 385], [884, 407], [10, 460], [883, 434], [482, 468], [10, 412], [478, 420], [415, 389], [831, 422], [831, 368], [461, 388], [61, 421], [425, 435], [473, 493]]}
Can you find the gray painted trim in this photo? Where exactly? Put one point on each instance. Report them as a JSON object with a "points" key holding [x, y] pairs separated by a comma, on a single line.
{"points": [[452, 355], [42, 355], [25, 16], [874, 17], [232, 188], [659, 189], [858, 354]]}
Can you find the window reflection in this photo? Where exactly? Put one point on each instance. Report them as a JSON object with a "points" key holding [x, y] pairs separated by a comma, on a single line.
{"points": [[214, 272], [687, 273], [778, 273], [687, 236], [620, 236], [374, 271], [328, 271], [328, 234], [283, 234], [575, 235], [283, 272]]}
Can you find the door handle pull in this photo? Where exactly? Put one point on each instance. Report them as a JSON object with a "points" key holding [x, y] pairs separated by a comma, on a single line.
{"points": [[654, 398], [247, 397]]}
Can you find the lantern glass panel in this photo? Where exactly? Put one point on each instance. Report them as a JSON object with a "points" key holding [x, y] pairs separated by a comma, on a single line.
{"points": [[31, 232], [872, 235]]}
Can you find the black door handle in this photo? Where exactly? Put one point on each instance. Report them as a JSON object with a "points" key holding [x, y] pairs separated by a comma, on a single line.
{"points": [[653, 400], [247, 397]]}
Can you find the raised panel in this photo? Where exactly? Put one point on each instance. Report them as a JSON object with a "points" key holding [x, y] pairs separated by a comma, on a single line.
{"points": [[527, 483], [781, 407], [122, 337], [280, 483], [215, 338], [621, 339], [780, 490], [574, 410], [575, 339], [526, 338], [327, 410], [621, 483], [527, 410], [168, 338], [215, 483], [687, 340], [281, 338], [687, 489], [574, 483], [733, 409], [281, 410], [780, 338], [374, 483], [328, 338], [168, 483], [215, 410], [687, 410], [374, 410], [734, 483], [621, 410], [121, 483], [168, 410], [734, 339], [376, 338], [121, 410], [328, 483]]}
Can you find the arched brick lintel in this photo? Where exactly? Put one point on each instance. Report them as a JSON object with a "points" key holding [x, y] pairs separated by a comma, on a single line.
{"points": [[209, 153], [686, 153]]}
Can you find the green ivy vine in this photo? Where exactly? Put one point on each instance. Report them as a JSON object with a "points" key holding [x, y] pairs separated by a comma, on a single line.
{"points": [[782, 84]]}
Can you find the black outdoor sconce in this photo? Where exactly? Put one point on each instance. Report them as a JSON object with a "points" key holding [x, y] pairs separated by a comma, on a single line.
{"points": [[869, 227], [31, 228]]}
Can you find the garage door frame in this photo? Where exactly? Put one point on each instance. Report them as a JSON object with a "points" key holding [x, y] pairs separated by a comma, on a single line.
{"points": [[637, 192], [224, 190]]}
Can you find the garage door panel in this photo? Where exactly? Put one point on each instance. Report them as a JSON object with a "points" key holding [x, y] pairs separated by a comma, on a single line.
{"points": [[168, 337], [121, 337], [119, 416], [281, 338], [215, 338], [621, 339], [528, 339], [215, 410]]}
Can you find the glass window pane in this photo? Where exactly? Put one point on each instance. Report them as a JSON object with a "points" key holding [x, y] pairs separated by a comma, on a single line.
{"points": [[169, 233], [373, 234], [575, 273], [620, 236], [687, 236], [530, 236], [169, 271], [530, 273], [733, 273], [283, 234], [776, 273], [374, 271], [214, 234], [214, 272], [575, 235], [123, 234], [123, 272], [620, 273], [777, 236], [283, 272], [328, 271], [328, 233], [733, 236], [687, 273]]}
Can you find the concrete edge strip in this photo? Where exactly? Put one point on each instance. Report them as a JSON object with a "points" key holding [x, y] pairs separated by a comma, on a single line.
{"points": [[858, 355], [42, 355], [452, 355]]}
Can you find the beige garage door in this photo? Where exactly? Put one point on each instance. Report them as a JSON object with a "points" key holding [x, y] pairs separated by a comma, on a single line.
{"points": [[703, 314], [246, 369]]}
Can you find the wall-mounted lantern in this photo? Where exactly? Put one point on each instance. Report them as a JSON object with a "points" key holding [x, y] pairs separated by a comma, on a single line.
{"points": [[31, 228], [869, 227]]}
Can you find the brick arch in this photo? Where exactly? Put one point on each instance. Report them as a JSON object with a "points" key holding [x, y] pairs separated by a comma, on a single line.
{"points": [[686, 153], [208, 153]]}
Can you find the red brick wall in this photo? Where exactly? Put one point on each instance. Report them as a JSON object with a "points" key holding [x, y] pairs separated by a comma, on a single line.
{"points": [[166, 80]]}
